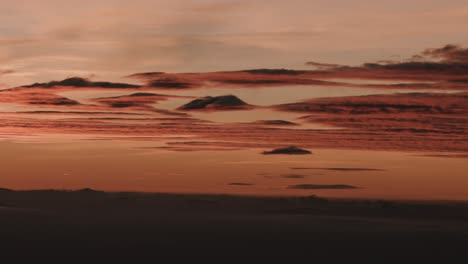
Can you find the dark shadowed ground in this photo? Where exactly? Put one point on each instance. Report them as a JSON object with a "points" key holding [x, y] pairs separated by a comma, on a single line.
{"points": [[90, 223]]}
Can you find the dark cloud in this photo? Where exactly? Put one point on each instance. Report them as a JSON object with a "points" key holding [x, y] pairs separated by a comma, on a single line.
{"points": [[145, 75], [251, 82], [323, 66], [240, 184], [421, 103], [321, 186], [6, 71], [216, 102], [81, 82], [292, 150], [170, 83], [274, 72], [52, 112], [459, 81], [455, 155], [34, 97], [141, 100], [275, 123], [54, 101], [438, 67], [448, 59], [193, 149], [448, 54], [437, 64], [243, 78], [336, 169], [396, 118], [293, 176]]}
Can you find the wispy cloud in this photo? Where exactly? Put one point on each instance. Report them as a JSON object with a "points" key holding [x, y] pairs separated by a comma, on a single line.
{"points": [[113, 38]]}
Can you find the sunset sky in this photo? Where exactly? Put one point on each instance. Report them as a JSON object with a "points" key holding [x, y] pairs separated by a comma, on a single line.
{"points": [[277, 127], [363, 87], [108, 39]]}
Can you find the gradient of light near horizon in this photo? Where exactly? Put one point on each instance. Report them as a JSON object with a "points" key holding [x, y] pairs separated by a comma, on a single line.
{"points": [[107, 39], [143, 139]]}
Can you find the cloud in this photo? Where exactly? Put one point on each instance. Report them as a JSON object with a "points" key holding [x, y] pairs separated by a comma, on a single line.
{"points": [[336, 169], [170, 83], [6, 71], [321, 187], [274, 72], [275, 123], [452, 68], [116, 37], [457, 156], [438, 64], [452, 59], [136, 101], [240, 184], [293, 176], [400, 118], [81, 82], [292, 150], [446, 66], [225, 102], [243, 78], [448, 54], [36, 98], [323, 66], [414, 121], [376, 122], [402, 103]]}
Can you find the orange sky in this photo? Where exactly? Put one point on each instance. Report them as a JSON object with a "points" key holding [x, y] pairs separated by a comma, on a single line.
{"points": [[107, 39]]}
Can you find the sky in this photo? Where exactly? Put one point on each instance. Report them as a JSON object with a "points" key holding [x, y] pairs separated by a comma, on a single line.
{"points": [[411, 101], [108, 39]]}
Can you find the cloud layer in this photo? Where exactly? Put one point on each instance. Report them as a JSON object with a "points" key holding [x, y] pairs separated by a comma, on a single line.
{"points": [[424, 121], [112, 38]]}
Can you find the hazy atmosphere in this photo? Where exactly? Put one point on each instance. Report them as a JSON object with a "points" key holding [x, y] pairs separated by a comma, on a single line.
{"points": [[134, 127], [108, 39]]}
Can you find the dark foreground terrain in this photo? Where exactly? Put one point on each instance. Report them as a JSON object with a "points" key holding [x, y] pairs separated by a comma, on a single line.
{"points": [[91, 223]]}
